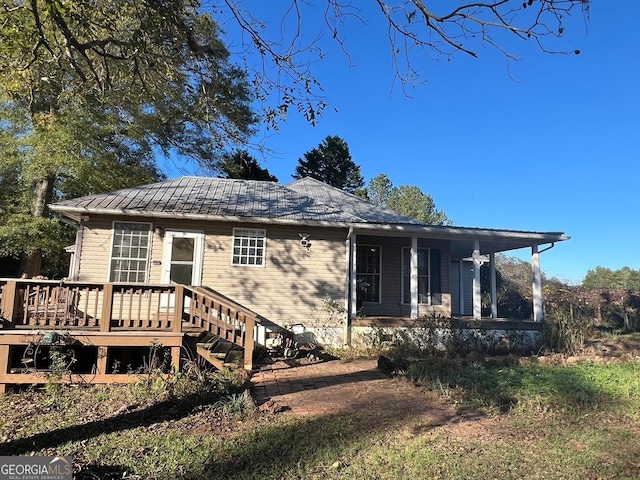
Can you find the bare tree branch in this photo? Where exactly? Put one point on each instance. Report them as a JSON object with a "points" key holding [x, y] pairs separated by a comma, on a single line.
{"points": [[282, 55]]}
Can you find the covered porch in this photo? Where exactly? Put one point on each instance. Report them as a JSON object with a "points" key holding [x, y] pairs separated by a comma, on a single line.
{"points": [[435, 270]]}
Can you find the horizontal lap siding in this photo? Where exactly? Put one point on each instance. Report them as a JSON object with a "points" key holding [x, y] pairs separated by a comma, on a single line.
{"points": [[95, 250], [293, 282], [288, 289]]}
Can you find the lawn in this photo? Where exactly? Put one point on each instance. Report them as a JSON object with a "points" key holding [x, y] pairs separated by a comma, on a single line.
{"points": [[529, 420]]}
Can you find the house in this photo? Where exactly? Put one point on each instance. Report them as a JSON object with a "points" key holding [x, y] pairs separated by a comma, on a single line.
{"points": [[217, 264], [280, 249]]}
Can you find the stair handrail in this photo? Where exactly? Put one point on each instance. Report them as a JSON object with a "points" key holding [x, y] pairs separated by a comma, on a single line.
{"points": [[248, 319]]}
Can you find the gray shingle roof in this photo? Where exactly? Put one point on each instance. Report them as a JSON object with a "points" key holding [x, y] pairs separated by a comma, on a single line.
{"points": [[306, 200]]}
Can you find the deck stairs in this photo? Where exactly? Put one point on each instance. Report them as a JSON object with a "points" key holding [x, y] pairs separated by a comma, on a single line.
{"points": [[219, 352], [227, 328]]}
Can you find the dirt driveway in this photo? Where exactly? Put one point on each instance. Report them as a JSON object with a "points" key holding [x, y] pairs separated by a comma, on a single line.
{"points": [[342, 386]]}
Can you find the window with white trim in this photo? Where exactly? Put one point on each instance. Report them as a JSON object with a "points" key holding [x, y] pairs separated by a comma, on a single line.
{"points": [[130, 252], [248, 247], [368, 273], [428, 276]]}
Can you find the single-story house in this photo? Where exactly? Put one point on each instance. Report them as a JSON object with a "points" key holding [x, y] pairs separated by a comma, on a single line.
{"points": [[283, 250]]}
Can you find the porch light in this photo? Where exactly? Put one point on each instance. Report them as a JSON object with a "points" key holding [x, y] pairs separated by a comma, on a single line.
{"points": [[304, 240]]}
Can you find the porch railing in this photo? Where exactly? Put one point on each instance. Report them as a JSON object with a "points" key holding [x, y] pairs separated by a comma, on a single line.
{"points": [[112, 307]]}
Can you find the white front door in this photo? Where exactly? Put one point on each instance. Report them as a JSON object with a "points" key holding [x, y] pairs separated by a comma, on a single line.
{"points": [[182, 259]]}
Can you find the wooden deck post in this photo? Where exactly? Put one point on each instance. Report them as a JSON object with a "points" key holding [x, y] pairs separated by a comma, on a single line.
{"points": [[178, 309], [107, 307], [176, 324], [105, 326], [8, 308], [249, 334], [103, 354], [4, 366]]}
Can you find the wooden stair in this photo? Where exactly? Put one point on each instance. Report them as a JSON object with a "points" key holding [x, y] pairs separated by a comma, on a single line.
{"points": [[219, 352], [228, 328]]}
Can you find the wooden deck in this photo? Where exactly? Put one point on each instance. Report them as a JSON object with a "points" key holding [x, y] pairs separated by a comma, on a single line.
{"points": [[101, 317]]}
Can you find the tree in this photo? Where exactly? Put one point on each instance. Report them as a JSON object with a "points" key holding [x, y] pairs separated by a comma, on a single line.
{"points": [[240, 164], [406, 199], [86, 89], [624, 278], [378, 191], [331, 163], [411, 201], [285, 52]]}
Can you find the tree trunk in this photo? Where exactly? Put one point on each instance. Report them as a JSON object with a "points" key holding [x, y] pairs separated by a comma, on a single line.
{"points": [[43, 193]]}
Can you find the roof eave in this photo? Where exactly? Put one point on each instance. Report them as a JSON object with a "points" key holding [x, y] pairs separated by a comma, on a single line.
{"points": [[444, 232]]}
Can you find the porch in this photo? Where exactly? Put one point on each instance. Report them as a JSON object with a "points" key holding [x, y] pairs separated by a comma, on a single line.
{"points": [[100, 318]]}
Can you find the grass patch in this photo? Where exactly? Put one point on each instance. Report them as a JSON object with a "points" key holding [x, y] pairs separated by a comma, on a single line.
{"points": [[530, 387], [539, 421]]}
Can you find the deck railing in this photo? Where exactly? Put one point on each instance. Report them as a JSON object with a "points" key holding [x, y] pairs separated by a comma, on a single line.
{"points": [[48, 304], [221, 316], [112, 307]]}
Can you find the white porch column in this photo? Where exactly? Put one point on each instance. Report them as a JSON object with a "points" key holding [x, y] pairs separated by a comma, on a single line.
{"points": [[461, 285], [494, 299], [354, 284], [537, 284], [350, 275], [477, 298], [413, 278]]}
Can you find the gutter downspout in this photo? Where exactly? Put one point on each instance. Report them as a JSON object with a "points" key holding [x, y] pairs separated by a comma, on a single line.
{"points": [[349, 288], [553, 244]]}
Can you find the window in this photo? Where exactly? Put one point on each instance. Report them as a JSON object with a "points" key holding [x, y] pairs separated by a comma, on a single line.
{"points": [[428, 276], [130, 252], [368, 273], [248, 247]]}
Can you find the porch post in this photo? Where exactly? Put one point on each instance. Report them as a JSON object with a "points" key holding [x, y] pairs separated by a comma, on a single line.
{"points": [[477, 299], [461, 285], [494, 299], [349, 284], [413, 278], [537, 284], [353, 310]]}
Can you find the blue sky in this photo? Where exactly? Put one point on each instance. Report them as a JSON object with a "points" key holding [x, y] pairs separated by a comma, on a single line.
{"points": [[551, 147]]}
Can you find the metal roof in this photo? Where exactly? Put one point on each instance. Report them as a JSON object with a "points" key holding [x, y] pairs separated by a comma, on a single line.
{"points": [[303, 202]]}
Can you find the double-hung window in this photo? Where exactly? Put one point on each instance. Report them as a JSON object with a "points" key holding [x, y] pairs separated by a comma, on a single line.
{"points": [[248, 247], [129, 261], [428, 276], [368, 273]]}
